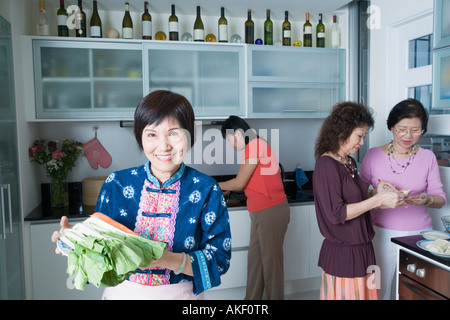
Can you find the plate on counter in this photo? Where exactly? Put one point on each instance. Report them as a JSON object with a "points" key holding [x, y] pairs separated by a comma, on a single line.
{"points": [[434, 234], [423, 244]]}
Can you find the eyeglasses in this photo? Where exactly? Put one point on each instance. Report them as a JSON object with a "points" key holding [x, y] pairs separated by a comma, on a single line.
{"points": [[403, 132]]}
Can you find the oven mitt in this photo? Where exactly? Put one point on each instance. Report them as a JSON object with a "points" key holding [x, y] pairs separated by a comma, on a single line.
{"points": [[96, 154]]}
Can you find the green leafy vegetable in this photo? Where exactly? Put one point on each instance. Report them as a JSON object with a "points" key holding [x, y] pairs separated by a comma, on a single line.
{"points": [[105, 256]]}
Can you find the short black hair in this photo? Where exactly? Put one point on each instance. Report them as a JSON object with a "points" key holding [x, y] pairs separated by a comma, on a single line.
{"points": [[162, 104], [236, 123], [409, 108]]}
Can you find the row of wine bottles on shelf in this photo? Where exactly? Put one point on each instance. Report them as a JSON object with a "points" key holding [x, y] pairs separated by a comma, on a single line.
{"points": [[79, 23]]}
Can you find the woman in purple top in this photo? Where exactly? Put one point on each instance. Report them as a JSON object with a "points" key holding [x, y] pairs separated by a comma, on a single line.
{"points": [[342, 206], [402, 165]]}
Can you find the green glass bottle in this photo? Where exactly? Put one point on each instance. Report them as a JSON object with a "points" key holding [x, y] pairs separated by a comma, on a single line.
{"points": [[286, 29], [307, 32], [146, 23], [173, 25], [63, 30], [268, 30], [249, 29], [320, 33], [223, 26], [199, 30], [96, 23]]}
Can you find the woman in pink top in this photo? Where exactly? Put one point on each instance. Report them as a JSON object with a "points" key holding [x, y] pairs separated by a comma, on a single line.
{"points": [[402, 165], [259, 176]]}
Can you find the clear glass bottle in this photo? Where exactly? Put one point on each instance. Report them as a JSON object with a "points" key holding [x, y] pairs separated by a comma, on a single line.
{"points": [[335, 34], [42, 28]]}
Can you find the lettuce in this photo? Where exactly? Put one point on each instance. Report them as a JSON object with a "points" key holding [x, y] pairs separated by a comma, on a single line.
{"points": [[106, 256]]}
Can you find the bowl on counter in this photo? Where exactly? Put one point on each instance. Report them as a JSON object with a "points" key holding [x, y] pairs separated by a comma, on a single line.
{"points": [[446, 222], [434, 234]]}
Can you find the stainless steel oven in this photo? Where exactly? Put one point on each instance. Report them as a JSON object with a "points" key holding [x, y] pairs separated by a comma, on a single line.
{"points": [[421, 280]]}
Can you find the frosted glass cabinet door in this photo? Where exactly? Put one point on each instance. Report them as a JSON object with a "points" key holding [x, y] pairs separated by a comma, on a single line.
{"points": [[441, 23], [288, 100], [286, 82], [441, 79], [296, 64], [86, 80], [210, 77]]}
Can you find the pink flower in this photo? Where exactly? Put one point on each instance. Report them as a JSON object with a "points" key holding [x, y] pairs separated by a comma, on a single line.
{"points": [[33, 151], [58, 155]]}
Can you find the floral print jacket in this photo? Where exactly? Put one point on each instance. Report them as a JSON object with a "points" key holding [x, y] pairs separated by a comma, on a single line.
{"points": [[188, 212]]}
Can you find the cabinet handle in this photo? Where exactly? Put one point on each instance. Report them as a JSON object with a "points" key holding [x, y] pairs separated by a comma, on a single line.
{"points": [[10, 208], [2, 213]]}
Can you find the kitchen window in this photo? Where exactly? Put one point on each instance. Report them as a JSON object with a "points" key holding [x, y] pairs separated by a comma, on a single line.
{"points": [[440, 145], [420, 51], [420, 54]]}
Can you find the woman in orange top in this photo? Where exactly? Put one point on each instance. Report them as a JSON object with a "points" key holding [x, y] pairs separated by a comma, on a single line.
{"points": [[259, 176]]}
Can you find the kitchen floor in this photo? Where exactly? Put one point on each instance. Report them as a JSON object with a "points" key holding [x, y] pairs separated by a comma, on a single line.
{"points": [[307, 295]]}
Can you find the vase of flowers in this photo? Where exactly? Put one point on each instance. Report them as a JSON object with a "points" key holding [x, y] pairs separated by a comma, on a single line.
{"points": [[58, 160]]}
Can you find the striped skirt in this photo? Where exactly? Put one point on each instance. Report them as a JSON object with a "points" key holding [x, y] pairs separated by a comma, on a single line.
{"points": [[336, 288]]}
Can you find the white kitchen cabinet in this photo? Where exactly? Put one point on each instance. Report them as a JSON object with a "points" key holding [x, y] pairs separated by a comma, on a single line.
{"points": [[85, 79], [101, 79], [50, 280], [315, 243], [296, 244], [286, 82], [105, 79], [301, 249], [210, 76]]}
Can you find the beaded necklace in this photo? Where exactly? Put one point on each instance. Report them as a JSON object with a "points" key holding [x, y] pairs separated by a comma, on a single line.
{"points": [[348, 164], [390, 152]]}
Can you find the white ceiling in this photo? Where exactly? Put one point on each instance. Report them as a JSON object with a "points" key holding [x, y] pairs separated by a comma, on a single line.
{"points": [[233, 8]]}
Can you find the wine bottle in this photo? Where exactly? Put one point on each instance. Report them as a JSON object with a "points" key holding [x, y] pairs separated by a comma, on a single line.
{"points": [[127, 23], [42, 27], [320, 33], [286, 27], [335, 34], [199, 30], [268, 30], [96, 23], [249, 29], [307, 32], [173, 25], [146, 23], [223, 26], [80, 23], [61, 16]]}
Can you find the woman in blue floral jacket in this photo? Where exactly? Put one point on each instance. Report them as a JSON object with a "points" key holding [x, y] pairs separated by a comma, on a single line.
{"points": [[164, 200]]}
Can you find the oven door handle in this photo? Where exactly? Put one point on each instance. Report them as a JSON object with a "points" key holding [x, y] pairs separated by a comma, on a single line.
{"points": [[413, 289]]}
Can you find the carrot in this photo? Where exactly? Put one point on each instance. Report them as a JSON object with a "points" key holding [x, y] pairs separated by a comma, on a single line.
{"points": [[112, 222]]}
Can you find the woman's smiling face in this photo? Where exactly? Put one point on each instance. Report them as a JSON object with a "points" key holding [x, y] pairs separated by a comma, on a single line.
{"points": [[165, 145]]}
